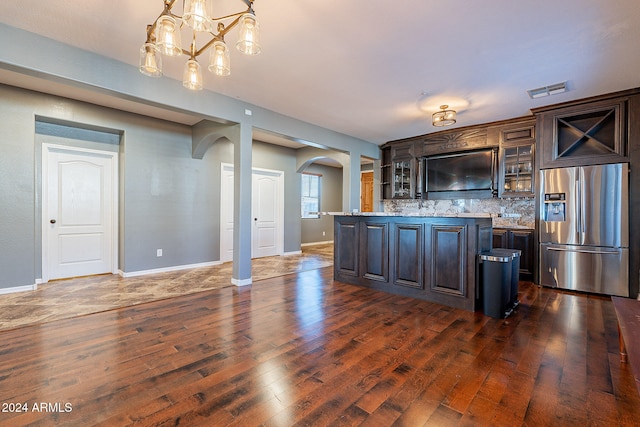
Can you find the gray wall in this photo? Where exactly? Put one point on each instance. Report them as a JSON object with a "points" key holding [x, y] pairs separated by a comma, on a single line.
{"points": [[167, 200], [330, 201], [17, 192], [166, 197]]}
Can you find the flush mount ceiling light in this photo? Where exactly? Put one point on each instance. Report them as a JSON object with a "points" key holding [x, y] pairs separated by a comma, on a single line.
{"points": [[547, 90], [164, 38], [443, 117]]}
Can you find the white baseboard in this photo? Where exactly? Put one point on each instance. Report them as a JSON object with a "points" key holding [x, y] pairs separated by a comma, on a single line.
{"points": [[292, 253], [168, 269], [316, 243], [241, 282], [15, 289]]}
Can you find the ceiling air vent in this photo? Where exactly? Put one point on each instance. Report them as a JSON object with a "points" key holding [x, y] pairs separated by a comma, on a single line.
{"points": [[547, 90]]}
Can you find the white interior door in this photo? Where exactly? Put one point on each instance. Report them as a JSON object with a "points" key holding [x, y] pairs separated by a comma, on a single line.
{"points": [[79, 212], [267, 207], [266, 214]]}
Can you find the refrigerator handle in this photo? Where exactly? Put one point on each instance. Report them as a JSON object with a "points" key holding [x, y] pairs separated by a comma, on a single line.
{"points": [[578, 206], [586, 251], [583, 210]]}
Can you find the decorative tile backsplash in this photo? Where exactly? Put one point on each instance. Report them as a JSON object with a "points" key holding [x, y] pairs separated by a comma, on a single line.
{"points": [[508, 213]]}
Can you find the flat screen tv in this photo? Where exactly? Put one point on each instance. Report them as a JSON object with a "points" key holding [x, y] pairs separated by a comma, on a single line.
{"points": [[461, 175]]}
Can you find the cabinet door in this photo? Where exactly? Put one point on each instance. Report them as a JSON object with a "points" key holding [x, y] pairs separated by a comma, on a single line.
{"points": [[375, 251], [523, 240], [346, 256], [402, 150], [409, 255], [516, 171], [516, 167], [402, 176], [448, 260], [500, 238]]}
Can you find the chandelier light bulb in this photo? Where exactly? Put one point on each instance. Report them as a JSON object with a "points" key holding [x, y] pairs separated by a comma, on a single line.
{"points": [[192, 76], [219, 62], [150, 60], [168, 36], [249, 35], [197, 14]]}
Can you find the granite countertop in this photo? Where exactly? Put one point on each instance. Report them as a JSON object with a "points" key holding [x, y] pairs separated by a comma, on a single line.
{"points": [[517, 226], [446, 215], [511, 221]]}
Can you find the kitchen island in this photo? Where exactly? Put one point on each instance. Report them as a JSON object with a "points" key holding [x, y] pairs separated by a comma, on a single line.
{"points": [[428, 257]]}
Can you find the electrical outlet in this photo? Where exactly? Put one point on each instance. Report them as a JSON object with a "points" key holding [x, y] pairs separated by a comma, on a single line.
{"points": [[158, 252], [324, 233]]}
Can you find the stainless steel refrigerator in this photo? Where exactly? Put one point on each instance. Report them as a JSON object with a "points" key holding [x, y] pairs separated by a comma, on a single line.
{"points": [[584, 228]]}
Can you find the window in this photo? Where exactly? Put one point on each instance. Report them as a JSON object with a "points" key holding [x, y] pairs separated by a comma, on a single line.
{"points": [[310, 196]]}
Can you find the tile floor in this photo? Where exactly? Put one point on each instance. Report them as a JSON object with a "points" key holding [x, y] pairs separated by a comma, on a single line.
{"points": [[61, 299]]}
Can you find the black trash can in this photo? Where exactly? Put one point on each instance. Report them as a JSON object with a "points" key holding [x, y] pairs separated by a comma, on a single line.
{"points": [[496, 282], [515, 272]]}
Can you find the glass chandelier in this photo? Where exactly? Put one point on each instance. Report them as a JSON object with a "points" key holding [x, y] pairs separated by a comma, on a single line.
{"points": [[443, 117], [164, 39]]}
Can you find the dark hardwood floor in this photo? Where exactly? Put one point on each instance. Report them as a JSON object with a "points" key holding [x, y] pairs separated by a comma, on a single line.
{"points": [[303, 350]]}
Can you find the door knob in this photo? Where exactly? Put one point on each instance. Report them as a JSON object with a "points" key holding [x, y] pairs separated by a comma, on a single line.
{"points": [[255, 219], [52, 221]]}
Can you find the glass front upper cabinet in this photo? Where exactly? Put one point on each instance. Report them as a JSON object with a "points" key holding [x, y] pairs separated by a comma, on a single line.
{"points": [[517, 171], [402, 179]]}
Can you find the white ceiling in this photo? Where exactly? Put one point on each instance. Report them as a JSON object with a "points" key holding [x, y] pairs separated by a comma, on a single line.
{"points": [[376, 69]]}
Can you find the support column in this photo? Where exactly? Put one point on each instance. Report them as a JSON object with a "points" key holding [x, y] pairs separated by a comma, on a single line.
{"points": [[242, 179], [351, 183]]}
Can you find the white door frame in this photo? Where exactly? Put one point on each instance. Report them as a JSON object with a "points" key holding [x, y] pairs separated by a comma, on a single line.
{"points": [[280, 178], [46, 149]]}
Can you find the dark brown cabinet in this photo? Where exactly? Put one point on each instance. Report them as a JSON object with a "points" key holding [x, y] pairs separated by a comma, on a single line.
{"points": [[500, 238], [402, 171], [521, 239], [449, 259], [408, 254], [385, 174], [432, 258], [584, 134], [402, 160], [516, 171], [375, 263], [346, 258], [399, 176], [516, 166]]}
